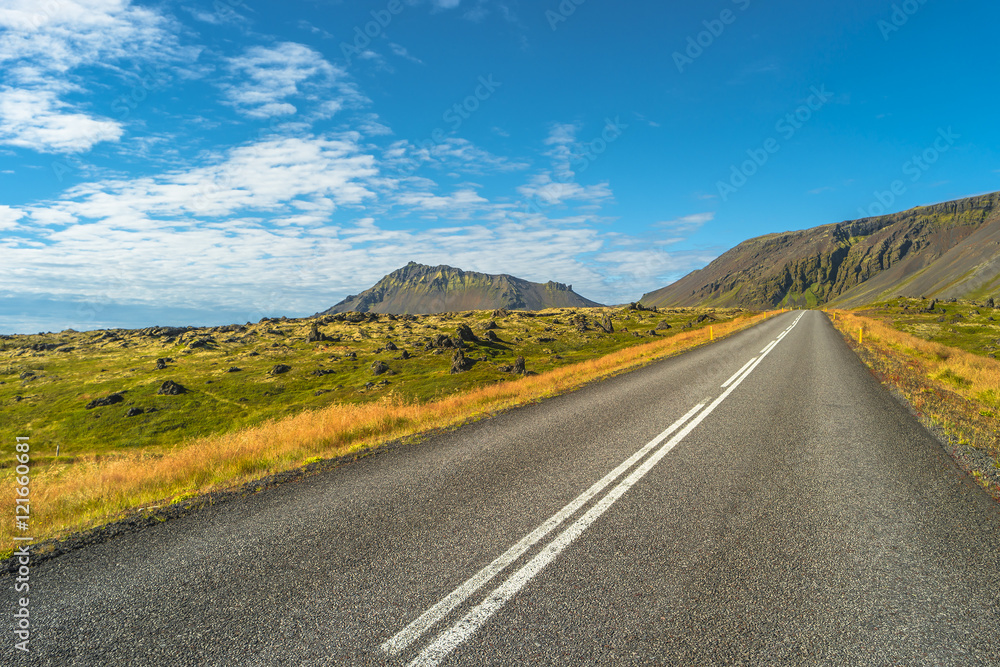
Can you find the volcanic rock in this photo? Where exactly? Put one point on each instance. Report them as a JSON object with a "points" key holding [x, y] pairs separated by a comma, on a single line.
{"points": [[107, 400], [170, 388]]}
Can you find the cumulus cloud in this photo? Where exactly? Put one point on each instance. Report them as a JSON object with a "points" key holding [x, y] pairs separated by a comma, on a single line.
{"points": [[262, 176], [649, 266], [283, 225], [403, 157], [542, 190], [9, 217], [558, 186], [266, 80], [687, 223], [459, 204], [38, 120], [43, 45]]}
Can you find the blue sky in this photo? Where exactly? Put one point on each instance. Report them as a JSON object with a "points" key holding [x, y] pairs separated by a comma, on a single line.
{"points": [[207, 163]]}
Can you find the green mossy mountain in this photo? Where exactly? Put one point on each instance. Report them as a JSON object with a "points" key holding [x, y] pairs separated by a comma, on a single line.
{"points": [[947, 250], [420, 289]]}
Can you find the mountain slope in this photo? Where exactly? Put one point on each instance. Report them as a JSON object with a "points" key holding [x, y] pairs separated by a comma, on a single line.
{"points": [[417, 288], [946, 250]]}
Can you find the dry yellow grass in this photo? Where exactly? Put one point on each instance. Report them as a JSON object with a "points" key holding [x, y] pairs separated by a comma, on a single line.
{"points": [[970, 375], [90, 491], [954, 392]]}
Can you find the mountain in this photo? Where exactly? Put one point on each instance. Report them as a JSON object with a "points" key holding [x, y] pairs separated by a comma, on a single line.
{"points": [[948, 250], [417, 288]]}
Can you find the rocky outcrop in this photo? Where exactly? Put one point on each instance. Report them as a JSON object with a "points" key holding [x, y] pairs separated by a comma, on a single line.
{"points": [[459, 363], [171, 388], [465, 334], [107, 400]]}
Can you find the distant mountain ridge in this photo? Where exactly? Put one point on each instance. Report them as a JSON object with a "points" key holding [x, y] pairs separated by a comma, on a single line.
{"points": [[947, 250], [418, 288]]}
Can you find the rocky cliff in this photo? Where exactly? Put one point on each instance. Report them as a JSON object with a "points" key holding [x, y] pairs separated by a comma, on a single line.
{"points": [[948, 250]]}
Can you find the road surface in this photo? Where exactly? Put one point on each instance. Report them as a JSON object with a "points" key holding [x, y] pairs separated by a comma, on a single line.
{"points": [[759, 500]]}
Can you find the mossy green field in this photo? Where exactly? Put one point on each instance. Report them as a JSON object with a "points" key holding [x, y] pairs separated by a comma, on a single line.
{"points": [[48, 380], [967, 325]]}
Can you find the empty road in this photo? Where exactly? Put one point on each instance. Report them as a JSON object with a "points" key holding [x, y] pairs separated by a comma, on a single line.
{"points": [[759, 500]]}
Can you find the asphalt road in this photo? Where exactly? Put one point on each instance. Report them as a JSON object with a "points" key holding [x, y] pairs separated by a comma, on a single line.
{"points": [[796, 515]]}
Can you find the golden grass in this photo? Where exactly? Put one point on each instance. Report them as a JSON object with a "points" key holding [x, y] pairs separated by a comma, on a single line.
{"points": [[93, 490], [970, 375], [954, 392]]}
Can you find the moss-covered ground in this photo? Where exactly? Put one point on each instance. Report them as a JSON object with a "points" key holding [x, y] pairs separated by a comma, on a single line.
{"points": [[229, 373]]}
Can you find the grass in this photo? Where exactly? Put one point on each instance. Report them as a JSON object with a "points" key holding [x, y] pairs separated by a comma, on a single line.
{"points": [[964, 325], [171, 459], [952, 389], [47, 380]]}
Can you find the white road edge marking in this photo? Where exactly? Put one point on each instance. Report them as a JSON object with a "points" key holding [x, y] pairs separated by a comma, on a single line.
{"points": [[454, 636], [737, 373], [398, 642]]}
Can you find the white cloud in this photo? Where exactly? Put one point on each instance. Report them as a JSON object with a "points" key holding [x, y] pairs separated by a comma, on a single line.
{"points": [[267, 78], [454, 153], [369, 124], [688, 222], [459, 153], [226, 230], [42, 44], [821, 190], [264, 176], [9, 217], [544, 191], [38, 120], [60, 36], [243, 264], [306, 25], [458, 204], [652, 267], [558, 186], [263, 227], [402, 52], [562, 133], [222, 13]]}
